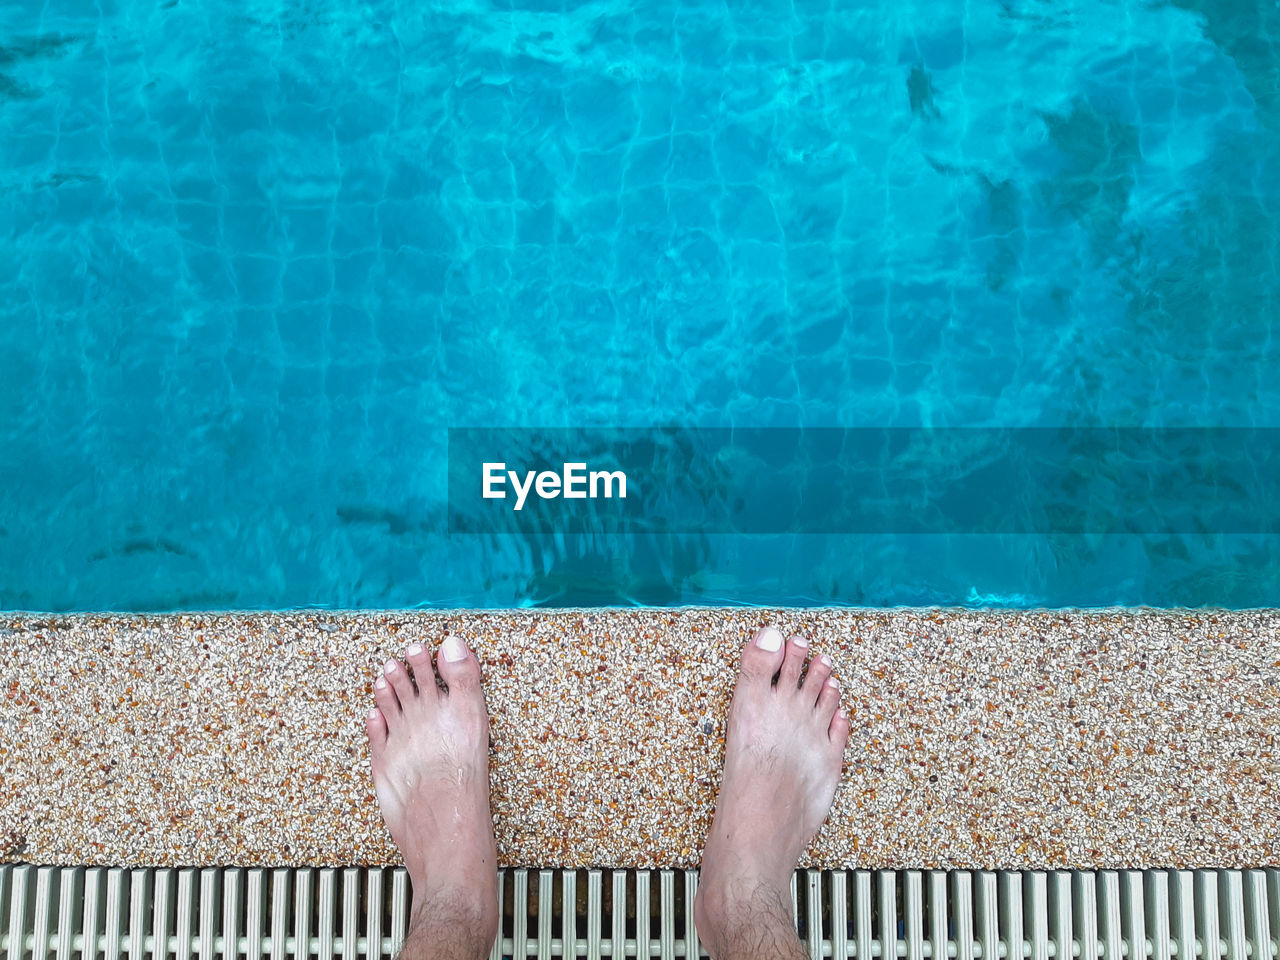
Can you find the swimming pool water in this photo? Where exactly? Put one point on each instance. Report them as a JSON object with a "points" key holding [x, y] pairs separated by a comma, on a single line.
{"points": [[258, 257]]}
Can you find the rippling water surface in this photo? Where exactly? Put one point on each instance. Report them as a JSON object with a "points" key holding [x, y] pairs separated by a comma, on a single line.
{"points": [[255, 258]]}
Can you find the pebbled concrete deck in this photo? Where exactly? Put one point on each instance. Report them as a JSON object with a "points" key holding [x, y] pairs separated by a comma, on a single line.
{"points": [[981, 739]]}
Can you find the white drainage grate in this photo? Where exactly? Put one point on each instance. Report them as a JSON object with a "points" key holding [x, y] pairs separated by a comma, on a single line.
{"points": [[99, 913]]}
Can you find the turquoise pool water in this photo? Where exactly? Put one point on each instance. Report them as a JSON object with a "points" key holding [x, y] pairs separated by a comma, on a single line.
{"points": [[258, 257]]}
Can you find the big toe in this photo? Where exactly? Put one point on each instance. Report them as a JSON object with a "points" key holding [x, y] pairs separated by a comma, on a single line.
{"points": [[761, 658], [458, 668]]}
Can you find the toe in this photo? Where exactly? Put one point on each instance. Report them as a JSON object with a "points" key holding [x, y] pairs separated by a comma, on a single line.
{"points": [[815, 677], [789, 676], [375, 725], [761, 658], [398, 678], [384, 695], [458, 666], [419, 659], [828, 700], [838, 732]]}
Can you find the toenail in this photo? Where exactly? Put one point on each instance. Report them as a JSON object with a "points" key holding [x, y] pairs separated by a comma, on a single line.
{"points": [[373, 714], [413, 649], [827, 660], [454, 649], [769, 639], [831, 682], [380, 683], [390, 667], [800, 641]]}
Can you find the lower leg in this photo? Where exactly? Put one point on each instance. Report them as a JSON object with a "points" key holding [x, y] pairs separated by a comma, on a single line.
{"points": [[745, 922], [449, 928]]}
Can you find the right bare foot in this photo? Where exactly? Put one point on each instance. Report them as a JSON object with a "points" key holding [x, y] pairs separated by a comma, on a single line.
{"points": [[430, 757], [784, 753]]}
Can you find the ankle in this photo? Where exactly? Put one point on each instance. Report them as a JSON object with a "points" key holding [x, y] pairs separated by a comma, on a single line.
{"points": [[739, 872]]}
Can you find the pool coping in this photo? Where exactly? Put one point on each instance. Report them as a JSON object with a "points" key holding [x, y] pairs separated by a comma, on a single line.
{"points": [[1084, 737]]}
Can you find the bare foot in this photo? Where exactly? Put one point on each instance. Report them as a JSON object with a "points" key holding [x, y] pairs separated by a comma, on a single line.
{"points": [[784, 752], [430, 758]]}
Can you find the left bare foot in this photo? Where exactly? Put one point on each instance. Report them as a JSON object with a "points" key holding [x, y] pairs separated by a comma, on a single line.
{"points": [[430, 758]]}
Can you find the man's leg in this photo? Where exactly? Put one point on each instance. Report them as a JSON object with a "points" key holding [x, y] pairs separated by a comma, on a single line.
{"points": [[430, 756], [784, 752]]}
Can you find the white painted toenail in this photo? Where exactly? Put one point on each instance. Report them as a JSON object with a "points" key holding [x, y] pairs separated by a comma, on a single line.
{"points": [[414, 649], [390, 667], [831, 682], [373, 714], [381, 683], [827, 660], [801, 642], [454, 649], [769, 639]]}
